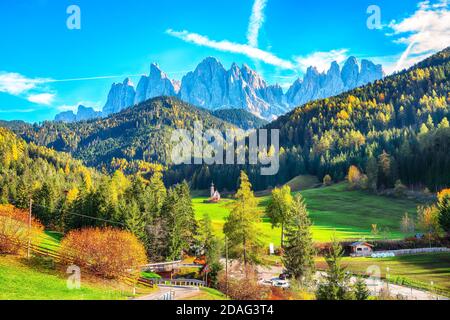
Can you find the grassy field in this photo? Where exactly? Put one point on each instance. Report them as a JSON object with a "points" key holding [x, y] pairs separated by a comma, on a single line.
{"points": [[334, 209], [209, 294], [303, 182], [24, 280], [417, 270], [50, 240]]}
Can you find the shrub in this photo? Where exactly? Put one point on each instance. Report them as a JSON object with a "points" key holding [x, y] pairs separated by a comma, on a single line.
{"points": [[356, 179], [246, 288], [399, 189], [327, 181], [14, 231], [106, 252]]}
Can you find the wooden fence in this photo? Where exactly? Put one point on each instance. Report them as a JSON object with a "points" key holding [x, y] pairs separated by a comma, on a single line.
{"points": [[180, 282]]}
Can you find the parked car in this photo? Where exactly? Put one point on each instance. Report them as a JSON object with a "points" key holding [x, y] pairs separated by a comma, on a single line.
{"points": [[281, 284]]}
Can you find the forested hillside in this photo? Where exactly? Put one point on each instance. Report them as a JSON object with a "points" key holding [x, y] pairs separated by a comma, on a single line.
{"points": [[240, 118], [394, 130], [67, 195], [139, 133]]}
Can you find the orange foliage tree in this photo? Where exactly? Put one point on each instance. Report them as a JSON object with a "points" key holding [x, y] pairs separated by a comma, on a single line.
{"points": [[356, 179], [246, 288], [14, 230], [106, 252]]}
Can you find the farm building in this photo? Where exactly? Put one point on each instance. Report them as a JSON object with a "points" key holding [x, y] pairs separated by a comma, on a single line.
{"points": [[361, 249]]}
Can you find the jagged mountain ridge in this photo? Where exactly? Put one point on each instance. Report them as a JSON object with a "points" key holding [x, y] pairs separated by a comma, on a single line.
{"points": [[212, 87], [83, 113]]}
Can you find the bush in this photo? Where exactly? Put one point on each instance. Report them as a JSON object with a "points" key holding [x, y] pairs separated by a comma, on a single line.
{"points": [[14, 232], [246, 288], [399, 189], [327, 181], [356, 179], [107, 252]]}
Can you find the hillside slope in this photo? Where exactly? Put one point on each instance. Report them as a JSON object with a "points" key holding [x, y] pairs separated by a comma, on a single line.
{"points": [[240, 118], [395, 130], [141, 132]]}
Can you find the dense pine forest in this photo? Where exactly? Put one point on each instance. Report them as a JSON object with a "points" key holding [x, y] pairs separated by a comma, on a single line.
{"points": [[240, 118]]}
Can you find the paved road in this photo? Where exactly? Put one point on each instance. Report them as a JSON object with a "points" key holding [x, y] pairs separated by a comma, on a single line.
{"points": [[181, 293], [374, 286]]}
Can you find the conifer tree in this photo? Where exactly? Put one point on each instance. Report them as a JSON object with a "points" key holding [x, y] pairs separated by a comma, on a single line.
{"points": [[299, 251], [134, 220], [360, 290], [156, 194], [335, 284], [241, 225]]}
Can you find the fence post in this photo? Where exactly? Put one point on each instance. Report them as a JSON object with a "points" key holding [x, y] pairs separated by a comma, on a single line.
{"points": [[29, 228]]}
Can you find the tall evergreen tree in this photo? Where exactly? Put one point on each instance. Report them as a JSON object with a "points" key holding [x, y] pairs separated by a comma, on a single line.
{"points": [[180, 218], [360, 290], [299, 251], [208, 240], [241, 225], [134, 220], [156, 194], [335, 285]]}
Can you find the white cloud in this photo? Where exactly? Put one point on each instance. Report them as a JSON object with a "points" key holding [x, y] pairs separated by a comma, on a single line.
{"points": [[425, 32], [321, 60], [35, 91], [16, 84], [228, 46], [250, 49], [17, 110], [41, 98], [256, 22]]}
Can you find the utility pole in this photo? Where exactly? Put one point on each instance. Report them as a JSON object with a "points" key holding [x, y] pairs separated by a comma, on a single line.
{"points": [[29, 228], [226, 265]]}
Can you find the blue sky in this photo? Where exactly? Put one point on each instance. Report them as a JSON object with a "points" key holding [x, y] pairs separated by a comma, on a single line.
{"points": [[47, 68]]}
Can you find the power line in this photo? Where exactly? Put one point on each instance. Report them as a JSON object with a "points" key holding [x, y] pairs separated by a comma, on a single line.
{"points": [[73, 213]]}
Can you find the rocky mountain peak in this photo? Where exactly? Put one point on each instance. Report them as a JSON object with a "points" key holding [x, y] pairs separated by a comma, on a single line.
{"points": [[155, 84], [369, 72], [211, 86], [121, 96]]}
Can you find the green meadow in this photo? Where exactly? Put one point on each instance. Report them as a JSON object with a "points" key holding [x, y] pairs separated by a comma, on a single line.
{"points": [[21, 279], [349, 214]]}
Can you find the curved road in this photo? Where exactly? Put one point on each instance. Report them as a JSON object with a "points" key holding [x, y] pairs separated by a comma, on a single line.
{"points": [[180, 293], [373, 286]]}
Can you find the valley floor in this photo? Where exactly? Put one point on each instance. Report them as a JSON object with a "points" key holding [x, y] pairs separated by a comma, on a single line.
{"points": [[349, 214]]}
